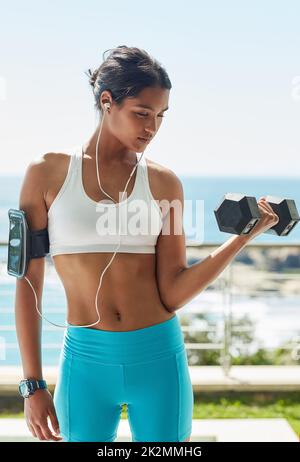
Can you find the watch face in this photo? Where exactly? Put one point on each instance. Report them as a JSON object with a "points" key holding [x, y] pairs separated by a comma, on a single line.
{"points": [[24, 389], [28, 387]]}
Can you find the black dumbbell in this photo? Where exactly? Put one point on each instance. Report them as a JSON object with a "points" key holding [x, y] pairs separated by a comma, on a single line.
{"points": [[238, 214]]}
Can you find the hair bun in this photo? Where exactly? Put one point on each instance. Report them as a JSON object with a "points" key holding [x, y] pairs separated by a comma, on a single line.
{"points": [[92, 76]]}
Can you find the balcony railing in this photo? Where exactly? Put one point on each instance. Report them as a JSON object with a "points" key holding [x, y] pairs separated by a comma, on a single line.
{"points": [[228, 284]]}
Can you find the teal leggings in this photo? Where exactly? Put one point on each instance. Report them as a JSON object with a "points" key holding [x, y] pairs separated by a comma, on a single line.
{"points": [[146, 369]]}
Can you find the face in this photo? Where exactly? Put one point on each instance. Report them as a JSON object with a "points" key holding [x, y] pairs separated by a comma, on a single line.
{"points": [[133, 120]]}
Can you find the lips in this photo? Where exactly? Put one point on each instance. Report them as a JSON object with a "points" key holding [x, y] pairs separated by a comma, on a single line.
{"points": [[143, 139]]}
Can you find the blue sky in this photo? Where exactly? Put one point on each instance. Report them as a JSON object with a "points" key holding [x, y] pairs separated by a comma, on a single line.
{"points": [[234, 67]]}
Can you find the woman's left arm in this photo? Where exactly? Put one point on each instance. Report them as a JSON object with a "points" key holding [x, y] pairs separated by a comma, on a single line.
{"points": [[178, 283], [190, 281]]}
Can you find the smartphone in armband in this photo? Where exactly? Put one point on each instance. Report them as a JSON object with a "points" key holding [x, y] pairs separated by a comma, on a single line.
{"points": [[24, 244]]}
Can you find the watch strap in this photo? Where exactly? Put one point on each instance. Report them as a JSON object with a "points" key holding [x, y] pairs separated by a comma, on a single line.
{"points": [[34, 385]]}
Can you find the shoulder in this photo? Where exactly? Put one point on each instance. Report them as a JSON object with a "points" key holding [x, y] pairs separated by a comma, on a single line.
{"points": [[43, 165], [50, 168], [46, 171], [170, 185], [55, 160]]}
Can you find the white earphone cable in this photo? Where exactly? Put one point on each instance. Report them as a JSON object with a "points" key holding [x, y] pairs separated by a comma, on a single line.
{"points": [[107, 106]]}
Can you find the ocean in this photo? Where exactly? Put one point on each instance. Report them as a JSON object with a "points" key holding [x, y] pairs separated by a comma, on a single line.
{"points": [[206, 192], [274, 323]]}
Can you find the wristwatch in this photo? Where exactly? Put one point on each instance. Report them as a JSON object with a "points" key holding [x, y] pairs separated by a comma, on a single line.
{"points": [[27, 386]]}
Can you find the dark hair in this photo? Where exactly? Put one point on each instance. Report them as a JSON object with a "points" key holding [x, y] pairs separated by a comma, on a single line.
{"points": [[125, 72]]}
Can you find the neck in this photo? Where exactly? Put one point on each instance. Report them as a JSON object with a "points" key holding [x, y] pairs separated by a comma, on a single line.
{"points": [[110, 150]]}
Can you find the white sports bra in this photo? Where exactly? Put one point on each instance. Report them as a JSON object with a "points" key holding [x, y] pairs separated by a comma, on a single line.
{"points": [[78, 224]]}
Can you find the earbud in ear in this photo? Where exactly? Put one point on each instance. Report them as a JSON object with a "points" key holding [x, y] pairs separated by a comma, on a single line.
{"points": [[107, 106]]}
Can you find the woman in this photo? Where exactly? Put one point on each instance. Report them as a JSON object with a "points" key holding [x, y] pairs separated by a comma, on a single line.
{"points": [[133, 354]]}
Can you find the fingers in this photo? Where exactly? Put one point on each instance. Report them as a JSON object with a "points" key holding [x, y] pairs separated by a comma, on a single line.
{"points": [[267, 210], [31, 429], [39, 432], [54, 421], [47, 432], [264, 202], [43, 432], [264, 207]]}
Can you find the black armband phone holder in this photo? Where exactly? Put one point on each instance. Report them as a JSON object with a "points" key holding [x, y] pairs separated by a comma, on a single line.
{"points": [[24, 244]]}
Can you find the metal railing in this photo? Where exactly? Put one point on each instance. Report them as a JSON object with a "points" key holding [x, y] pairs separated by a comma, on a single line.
{"points": [[226, 283]]}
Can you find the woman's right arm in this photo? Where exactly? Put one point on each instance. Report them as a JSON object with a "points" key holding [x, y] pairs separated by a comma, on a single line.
{"points": [[38, 406]]}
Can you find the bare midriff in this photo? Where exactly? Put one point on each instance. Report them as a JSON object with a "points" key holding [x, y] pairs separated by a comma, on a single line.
{"points": [[128, 298]]}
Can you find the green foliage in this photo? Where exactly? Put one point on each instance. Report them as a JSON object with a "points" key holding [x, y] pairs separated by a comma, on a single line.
{"points": [[236, 405], [244, 348]]}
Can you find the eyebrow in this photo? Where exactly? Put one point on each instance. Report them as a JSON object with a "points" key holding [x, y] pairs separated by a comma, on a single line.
{"points": [[149, 107]]}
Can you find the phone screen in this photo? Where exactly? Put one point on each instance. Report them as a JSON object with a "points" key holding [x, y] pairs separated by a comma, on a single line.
{"points": [[15, 243]]}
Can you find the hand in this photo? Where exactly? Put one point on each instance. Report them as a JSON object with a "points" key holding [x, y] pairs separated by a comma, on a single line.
{"points": [[37, 408], [268, 219]]}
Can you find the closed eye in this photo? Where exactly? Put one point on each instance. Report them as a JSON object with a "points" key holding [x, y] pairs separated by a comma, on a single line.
{"points": [[145, 115]]}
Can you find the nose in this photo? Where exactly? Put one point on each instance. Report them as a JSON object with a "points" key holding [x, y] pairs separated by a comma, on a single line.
{"points": [[151, 128]]}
